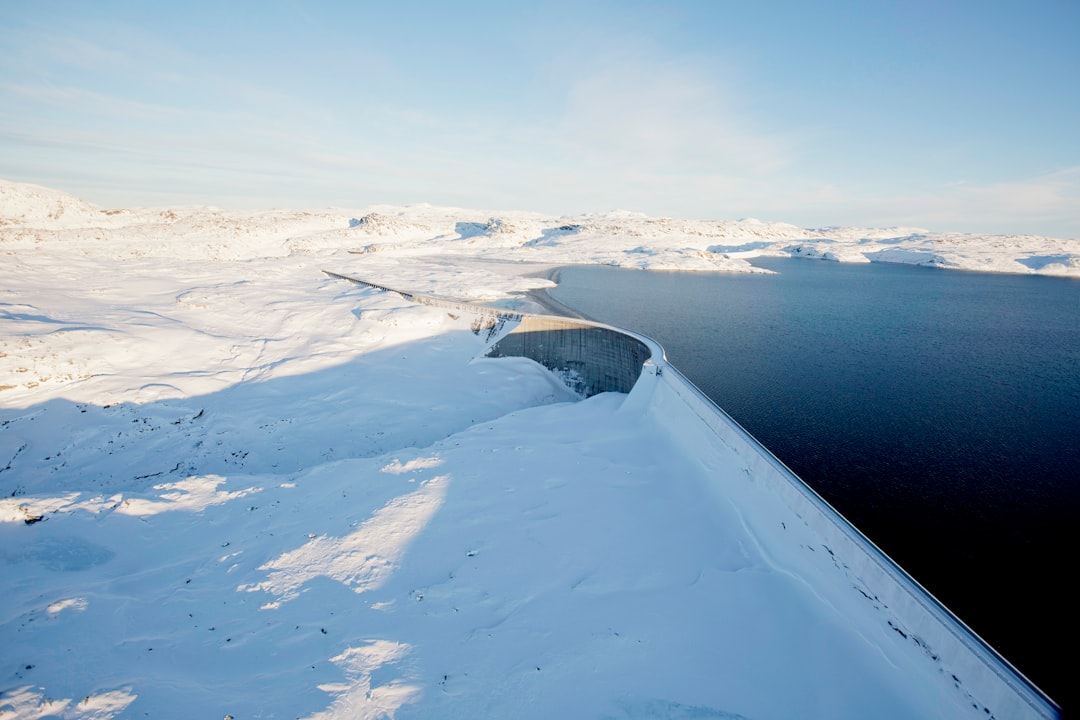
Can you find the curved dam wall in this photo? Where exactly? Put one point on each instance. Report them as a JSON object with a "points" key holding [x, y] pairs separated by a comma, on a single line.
{"points": [[801, 529], [590, 358]]}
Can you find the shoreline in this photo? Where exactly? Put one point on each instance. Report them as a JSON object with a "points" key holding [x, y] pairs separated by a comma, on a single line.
{"points": [[543, 298]]}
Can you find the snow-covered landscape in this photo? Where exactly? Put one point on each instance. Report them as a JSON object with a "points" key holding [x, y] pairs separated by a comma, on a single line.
{"points": [[233, 486]]}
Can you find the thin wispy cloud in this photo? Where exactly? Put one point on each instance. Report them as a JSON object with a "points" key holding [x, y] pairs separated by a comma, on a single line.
{"points": [[688, 110], [86, 102], [665, 116], [1021, 206]]}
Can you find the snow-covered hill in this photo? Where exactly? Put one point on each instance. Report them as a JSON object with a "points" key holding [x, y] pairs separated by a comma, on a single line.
{"points": [[32, 216], [231, 486]]}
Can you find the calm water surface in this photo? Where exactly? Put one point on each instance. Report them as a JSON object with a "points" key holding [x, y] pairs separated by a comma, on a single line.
{"points": [[939, 411]]}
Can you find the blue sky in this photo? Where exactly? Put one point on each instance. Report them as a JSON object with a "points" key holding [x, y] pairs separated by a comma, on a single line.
{"points": [[947, 115]]}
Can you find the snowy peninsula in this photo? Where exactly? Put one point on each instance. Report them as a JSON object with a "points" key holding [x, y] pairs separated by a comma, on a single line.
{"points": [[233, 486]]}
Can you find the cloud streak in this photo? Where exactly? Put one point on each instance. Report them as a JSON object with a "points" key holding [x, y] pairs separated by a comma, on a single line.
{"points": [[658, 112], [665, 117]]}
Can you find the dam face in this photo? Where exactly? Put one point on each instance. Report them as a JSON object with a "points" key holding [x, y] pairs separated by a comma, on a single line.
{"points": [[590, 359]]}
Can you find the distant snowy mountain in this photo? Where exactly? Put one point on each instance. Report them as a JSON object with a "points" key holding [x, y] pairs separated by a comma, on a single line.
{"points": [[26, 205], [31, 215]]}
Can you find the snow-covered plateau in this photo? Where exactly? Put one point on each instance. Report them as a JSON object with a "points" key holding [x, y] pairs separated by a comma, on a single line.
{"points": [[233, 486]]}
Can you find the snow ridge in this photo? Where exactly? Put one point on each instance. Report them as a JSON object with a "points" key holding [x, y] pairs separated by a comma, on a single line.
{"points": [[32, 215]]}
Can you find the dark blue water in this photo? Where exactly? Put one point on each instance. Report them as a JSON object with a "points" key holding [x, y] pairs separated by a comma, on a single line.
{"points": [[939, 411]]}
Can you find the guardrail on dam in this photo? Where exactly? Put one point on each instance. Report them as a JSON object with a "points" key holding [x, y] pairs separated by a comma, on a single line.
{"points": [[593, 358]]}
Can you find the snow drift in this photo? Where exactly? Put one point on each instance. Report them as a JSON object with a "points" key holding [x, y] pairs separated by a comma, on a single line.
{"points": [[232, 485]]}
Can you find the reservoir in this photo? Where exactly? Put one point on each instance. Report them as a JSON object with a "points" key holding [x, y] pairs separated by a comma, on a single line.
{"points": [[939, 411]]}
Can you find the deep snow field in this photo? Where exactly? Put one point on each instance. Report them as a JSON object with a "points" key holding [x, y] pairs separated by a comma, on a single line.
{"points": [[231, 485]]}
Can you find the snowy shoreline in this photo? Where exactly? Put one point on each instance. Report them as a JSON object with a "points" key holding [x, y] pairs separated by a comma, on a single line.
{"points": [[31, 216]]}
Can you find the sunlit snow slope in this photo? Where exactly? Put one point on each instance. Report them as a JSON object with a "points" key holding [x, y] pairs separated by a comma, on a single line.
{"points": [[231, 485]]}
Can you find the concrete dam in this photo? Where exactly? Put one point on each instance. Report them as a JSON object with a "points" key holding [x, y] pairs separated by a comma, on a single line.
{"points": [[592, 358], [589, 357]]}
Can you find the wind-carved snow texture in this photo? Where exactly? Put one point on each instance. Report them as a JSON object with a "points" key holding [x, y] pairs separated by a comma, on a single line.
{"points": [[233, 486], [192, 494], [421, 463], [26, 702], [356, 698], [362, 560]]}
